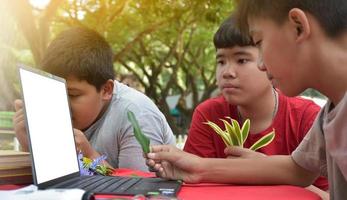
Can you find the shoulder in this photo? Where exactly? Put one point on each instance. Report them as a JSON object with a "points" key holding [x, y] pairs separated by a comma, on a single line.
{"points": [[127, 98], [299, 105], [124, 93], [297, 113]]}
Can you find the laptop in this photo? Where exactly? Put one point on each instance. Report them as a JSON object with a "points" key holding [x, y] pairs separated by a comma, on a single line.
{"points": [[52, 144]]}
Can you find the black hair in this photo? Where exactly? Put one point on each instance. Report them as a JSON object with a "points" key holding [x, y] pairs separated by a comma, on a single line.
{"points": [[80, 52], [331, 14], [229, 35]]}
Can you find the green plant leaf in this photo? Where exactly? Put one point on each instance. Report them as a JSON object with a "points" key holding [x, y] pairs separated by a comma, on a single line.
{"points": [[226, 139], [265, 140], [140, 137], [230, 130], [237, 131], [103, 170], [233, 135], [224, 135], [245, 130]]}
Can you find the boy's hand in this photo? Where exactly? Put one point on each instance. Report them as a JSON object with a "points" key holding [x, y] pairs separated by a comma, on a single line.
{"points": [[239, 152], [83, 145], [19, 125], [172, 163]]}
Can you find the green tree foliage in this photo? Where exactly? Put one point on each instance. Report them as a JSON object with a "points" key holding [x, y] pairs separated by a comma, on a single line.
{"points": [[167, 44], [12, 49]]}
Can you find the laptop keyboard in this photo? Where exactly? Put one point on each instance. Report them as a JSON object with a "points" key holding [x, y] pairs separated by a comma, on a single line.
{"points": [[100, 184], [126, 185], [107, 185], [120, 185], [67, 183]]}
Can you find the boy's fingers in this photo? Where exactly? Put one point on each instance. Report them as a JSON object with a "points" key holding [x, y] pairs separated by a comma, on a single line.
{"points": [[150, 162], [19, 115], [169, 156], [161, 172], [239, 152], [160, 148], [18, 104], [151, 169], [235, 151]]}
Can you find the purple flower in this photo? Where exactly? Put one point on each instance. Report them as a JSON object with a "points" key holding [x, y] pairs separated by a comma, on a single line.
{"points": [[83, 170], [97, 161], [90, 167]]}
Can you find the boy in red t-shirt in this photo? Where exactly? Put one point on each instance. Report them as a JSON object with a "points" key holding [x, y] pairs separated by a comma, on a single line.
{"points": [[248, 94]]}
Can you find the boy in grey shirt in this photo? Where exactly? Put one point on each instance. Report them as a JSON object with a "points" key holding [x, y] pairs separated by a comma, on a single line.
{"points": [[122, 148], [99, 104]]}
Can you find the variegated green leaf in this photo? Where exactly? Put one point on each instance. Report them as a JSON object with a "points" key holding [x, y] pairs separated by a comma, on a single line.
{"points": [[231, 132], [140, 137], [226, 139], [265, 140], [237, 131], [224, 135], [233, 135], [245, 130], [215, 127]]}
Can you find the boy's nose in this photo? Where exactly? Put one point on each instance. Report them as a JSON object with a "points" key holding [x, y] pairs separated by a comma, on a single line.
{"points": [[229, 72], [261, 65]]}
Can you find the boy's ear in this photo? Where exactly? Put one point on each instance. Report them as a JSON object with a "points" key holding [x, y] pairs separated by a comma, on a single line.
{"points": [[107, 90], [299, 20]]}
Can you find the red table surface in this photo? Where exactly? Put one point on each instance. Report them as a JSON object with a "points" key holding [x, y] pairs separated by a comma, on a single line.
{"points": [[227, 192], [221, 191]]}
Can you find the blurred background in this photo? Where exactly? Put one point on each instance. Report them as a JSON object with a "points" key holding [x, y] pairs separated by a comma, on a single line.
{"points": [[161, 47]]}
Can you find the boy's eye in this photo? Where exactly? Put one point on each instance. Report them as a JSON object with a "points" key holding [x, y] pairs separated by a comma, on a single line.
{"points": [[73, 95], [242, 61], [220, 62]]}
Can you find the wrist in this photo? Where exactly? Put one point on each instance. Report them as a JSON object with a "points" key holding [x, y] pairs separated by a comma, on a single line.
{"points": [[203, 170], [91, 153]]}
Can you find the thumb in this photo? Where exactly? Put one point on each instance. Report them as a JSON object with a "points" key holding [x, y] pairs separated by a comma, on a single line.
{"points": [[163, 152], [235, 151], [18, 104]]}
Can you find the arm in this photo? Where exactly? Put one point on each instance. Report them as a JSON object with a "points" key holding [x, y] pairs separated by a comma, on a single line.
{"points": [[239, 152], [267, 170], [174, 164], [310, 112], [83, 145], [323, 194]]}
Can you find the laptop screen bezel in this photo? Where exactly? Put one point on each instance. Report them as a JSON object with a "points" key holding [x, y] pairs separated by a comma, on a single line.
{"points": [[57, 78]]}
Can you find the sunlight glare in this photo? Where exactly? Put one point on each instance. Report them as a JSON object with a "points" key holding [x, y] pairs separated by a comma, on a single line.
{"points": [[39, 3]]}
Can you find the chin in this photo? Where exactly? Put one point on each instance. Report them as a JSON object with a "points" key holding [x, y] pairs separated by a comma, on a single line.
{"points": [[229, 99], [78, 126]]}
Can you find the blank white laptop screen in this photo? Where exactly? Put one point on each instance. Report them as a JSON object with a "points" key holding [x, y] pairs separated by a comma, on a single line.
{"points": [[49, 124]]}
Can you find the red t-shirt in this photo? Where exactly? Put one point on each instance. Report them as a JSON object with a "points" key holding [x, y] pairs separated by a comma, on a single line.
{"points": [[293, 119]]}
